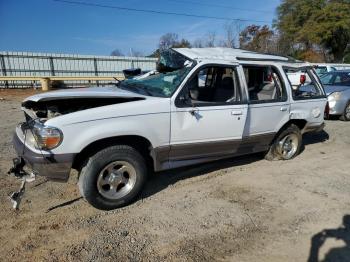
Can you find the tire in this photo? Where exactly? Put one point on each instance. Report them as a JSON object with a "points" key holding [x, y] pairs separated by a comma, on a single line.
{"points": [[113, 177], [346, 114], [286, 145]]}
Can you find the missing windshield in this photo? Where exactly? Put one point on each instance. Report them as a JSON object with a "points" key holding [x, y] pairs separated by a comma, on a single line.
{"points": [[171, 71]]}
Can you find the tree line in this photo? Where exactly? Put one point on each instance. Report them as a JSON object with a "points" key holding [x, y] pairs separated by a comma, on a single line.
{"points": [[311, 30]]}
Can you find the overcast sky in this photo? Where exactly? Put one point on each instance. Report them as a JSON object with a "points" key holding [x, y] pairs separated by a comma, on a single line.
{"points": [[49, 26]]}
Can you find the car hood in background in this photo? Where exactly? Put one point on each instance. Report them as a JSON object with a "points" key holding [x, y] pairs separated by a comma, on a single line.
{"points": [[333, 88]]}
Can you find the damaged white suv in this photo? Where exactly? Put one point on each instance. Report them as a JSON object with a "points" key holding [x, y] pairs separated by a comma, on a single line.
{"points": [[200, 105]]}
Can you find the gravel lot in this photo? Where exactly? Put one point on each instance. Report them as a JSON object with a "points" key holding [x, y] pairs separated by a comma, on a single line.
{"points": [[242, 209]]}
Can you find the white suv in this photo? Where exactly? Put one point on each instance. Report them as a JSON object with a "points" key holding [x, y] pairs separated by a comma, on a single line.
{"points": [[201, 104]]}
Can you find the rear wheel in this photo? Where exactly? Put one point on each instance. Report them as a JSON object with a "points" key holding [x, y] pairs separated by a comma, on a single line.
{"points": [[346, 115], [286, 145], [113, 177]]}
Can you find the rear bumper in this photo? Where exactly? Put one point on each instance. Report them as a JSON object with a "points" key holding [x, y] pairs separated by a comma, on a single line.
{"points": [[54, 167]]}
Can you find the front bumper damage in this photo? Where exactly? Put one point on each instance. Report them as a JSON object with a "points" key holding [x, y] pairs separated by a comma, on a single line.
{"points": [[18, 171], [52, 166], [55, 167]]}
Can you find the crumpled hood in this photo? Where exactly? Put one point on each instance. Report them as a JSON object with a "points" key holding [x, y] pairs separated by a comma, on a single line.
{"points": [[91, 92], [331, 89]]}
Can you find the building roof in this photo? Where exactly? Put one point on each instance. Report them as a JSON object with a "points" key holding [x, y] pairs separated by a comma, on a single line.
{"points": [[223, 53]]}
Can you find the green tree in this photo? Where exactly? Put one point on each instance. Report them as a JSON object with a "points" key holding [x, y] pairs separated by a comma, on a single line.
{"points": [[318, 26], [330, 28]]}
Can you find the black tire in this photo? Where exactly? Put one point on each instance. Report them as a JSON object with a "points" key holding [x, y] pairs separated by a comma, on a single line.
{"points": [[275, 149], [345, 116], [92, 172]]}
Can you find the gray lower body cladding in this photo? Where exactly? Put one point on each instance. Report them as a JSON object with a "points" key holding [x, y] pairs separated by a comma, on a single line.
{"points": [[54, 167], [175, 156]]}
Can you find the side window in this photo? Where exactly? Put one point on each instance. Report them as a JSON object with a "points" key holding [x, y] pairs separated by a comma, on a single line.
{"points": [[303, 83], [264, 84], [214, 84]]}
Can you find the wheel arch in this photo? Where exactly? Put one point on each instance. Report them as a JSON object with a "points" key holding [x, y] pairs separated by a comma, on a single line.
{"points": [[300, 123], [141, 144]]}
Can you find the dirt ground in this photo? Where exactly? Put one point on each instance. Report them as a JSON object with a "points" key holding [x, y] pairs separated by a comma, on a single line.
{"points": [[242, 209]]}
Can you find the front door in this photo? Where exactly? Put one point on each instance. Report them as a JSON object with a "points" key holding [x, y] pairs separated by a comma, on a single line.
{"points": [[208, 117]]}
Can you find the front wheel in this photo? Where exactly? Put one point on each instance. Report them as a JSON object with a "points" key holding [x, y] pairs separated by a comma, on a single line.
{"points": [[113, 177], [287, 144]]}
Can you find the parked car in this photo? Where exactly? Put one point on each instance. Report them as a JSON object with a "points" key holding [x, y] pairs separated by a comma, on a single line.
{"points": [[322, 69], [337, 87], [203, 104]]}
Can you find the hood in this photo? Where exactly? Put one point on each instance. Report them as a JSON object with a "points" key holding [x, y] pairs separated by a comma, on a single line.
{"points": [[52, 104], [334, 88], [91, 92]]}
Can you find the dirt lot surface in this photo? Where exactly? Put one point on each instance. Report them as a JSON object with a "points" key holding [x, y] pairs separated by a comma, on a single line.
{"points": [[243, 209]]}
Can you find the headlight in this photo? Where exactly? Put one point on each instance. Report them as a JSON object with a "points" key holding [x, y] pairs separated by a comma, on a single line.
{"points": [[334, 96], [47, 137]]}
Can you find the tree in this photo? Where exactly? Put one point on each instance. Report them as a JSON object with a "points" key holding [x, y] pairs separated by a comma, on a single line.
{"points": [[168, 40], [182, 44], [258, 38], [330, 28], [292, 16], [211, 37], [321, 26], [198, 43], [116, 52], [232, 31]]}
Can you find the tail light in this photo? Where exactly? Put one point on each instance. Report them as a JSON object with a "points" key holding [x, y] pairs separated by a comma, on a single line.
{"points": [[302, 79], [326, 111]]}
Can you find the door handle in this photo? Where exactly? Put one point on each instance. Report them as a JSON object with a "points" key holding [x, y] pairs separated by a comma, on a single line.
{"points": [[284, 109], [193, 111], [236, 113]]}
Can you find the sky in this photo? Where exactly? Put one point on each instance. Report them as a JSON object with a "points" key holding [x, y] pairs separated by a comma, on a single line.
{"points": [[57, 27]]}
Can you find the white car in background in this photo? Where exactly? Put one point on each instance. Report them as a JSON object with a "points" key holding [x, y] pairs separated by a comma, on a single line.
{"points": [[202, 104]]}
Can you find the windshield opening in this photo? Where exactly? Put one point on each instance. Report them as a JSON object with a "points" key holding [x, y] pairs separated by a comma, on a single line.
{"points": [[172, 69]]}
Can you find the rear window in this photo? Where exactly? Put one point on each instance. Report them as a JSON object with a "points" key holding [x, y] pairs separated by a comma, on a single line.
{"points": [[304, 83]]}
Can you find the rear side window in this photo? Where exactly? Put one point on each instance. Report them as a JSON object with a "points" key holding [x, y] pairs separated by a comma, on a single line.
{"points": [[304, 84], [264, 84]]}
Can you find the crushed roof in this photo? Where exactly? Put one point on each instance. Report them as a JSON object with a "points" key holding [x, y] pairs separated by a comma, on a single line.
{"points": [[223, 53]]}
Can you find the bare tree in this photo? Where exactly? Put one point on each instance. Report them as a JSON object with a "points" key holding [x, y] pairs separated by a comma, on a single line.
{"points": [[198, 43], [211, 38], [168, 40], [116, 52], [136, 53], [232, 31]]}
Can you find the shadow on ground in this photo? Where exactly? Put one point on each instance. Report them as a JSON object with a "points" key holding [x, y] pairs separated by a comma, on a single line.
{"points": [[314, 138], [338, 254], [162, 180]]}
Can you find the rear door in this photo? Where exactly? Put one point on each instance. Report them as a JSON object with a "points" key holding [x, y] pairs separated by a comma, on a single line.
{"points": [[208, 116], [268, 104], [308, 96]]}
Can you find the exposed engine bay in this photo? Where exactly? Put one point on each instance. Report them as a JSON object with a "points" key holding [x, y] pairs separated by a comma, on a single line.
{"points": [[53, 108]]}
